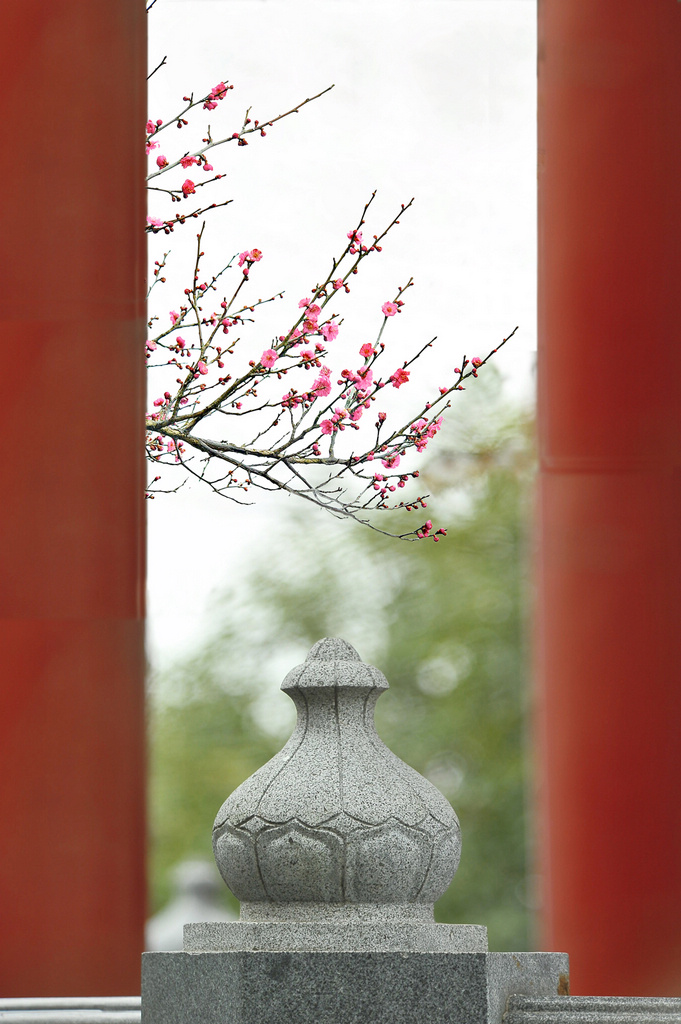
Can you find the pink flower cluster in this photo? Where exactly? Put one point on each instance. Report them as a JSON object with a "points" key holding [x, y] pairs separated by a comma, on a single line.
{"points": [[426, 529], [322, 385], [218, 92], [356, 242], [249, 257], [423, 431], [330, 426], [329, 330], [363, 378], [151, 128]]}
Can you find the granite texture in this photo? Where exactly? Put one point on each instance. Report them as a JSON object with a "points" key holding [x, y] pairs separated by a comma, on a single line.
{"points": [[333, 988], [336, 936], [335, 817], [526, 974], [523, 1009]]}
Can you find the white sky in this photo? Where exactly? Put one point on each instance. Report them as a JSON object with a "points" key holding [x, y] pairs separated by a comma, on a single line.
{"points": [[434, 99]]}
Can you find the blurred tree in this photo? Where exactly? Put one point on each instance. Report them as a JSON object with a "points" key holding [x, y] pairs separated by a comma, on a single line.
{"points": [[444, 622]]}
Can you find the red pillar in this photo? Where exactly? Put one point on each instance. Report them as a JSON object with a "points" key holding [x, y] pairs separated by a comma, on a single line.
{"points": [[609, 601], [71, 515]]}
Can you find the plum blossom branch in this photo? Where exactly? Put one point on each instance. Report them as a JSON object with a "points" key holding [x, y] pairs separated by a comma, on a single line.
{"points": [[279, 417]]}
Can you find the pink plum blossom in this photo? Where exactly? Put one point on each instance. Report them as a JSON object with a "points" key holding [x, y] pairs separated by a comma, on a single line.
{"points": [[330, 331], [188, 161], [399, 377], [218, 92], [201, 367], [161, 161], [249, 256], [367, 351], [322, 385], [155, 222], [364, 378], [187, 188], [174, 317], [326, 427], [389, 309], [268, 358]]}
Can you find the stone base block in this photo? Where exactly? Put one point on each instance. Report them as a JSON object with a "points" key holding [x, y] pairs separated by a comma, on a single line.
{"points": [[342, 988]]}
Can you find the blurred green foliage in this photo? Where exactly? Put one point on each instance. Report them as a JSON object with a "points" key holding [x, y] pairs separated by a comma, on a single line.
{"points": [[445, 622]]}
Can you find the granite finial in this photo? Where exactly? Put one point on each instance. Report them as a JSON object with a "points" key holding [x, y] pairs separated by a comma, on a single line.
{"points": [[335, 823]]}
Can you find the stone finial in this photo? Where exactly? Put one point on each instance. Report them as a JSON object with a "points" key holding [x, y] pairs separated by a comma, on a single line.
{"points": [[335, 823], [337, 851]]}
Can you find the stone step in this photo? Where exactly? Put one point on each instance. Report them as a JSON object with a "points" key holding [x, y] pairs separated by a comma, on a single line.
{"points": [[592, 1010]]}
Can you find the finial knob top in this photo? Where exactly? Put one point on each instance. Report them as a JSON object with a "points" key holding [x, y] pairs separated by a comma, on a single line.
{"points": [[332, 648]]}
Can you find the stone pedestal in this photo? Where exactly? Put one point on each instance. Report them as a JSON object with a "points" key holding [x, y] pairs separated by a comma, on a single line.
{"points": [[337, 851], [250, 987]]}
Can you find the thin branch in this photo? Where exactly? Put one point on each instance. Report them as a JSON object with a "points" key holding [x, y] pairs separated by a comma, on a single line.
{"points": [[164, 59]]}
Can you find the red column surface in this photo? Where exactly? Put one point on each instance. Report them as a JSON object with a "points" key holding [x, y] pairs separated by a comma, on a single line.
{"points": [[71, 515], [609, 602]]}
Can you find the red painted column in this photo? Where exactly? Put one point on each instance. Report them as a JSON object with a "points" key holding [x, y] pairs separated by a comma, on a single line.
{"points": [[608, 650], [72, 897]]}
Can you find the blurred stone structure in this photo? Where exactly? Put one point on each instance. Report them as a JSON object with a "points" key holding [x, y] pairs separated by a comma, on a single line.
{"points": [[196, 897]]}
